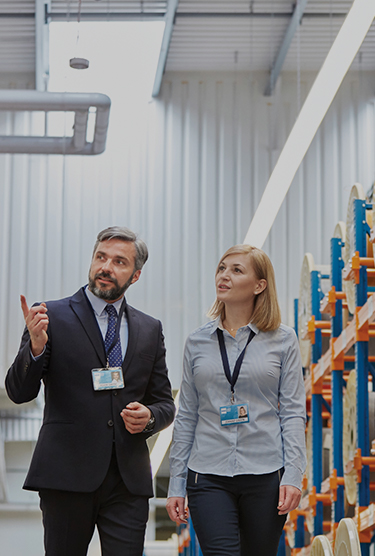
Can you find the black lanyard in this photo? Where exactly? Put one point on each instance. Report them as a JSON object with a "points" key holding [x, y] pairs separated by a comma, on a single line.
{"points": [[118, 325], [232, 379]]}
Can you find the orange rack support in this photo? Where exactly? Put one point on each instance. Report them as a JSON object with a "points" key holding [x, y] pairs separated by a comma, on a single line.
{"points": [[351, 270], [360, 461], [334, 482], [315, 497], [328, 304], [365, 522], [313, 324]]}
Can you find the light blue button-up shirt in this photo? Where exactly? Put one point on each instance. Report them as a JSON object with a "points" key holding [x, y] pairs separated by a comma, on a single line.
{"points": [[270, 381], [98, 304]]}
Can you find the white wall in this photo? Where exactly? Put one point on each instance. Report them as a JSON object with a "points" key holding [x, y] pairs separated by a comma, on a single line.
{"points": [[186, 171]]}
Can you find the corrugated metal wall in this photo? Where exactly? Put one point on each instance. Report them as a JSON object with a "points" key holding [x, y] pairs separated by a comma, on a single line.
{"points": [[187, 174]]}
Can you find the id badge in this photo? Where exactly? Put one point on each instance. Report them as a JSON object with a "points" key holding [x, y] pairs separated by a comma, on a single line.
{"points": [[234, 414], [110, 378]]}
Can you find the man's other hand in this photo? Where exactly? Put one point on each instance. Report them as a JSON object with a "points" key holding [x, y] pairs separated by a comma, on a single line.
{"points": [[135, 416]]}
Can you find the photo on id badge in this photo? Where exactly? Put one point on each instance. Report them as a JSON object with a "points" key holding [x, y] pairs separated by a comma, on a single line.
{"points": [[234, 414], [110, 378]]}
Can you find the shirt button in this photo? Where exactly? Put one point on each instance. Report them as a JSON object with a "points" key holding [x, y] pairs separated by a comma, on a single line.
{"points": [[115, 393], [110, 423]]}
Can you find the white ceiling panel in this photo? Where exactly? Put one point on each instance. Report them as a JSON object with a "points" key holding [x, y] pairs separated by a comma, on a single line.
{"points": [[242, 35], [224, 35]]}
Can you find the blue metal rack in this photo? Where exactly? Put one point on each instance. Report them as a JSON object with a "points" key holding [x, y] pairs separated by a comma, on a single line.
{"points": [[337, 265], [336, 365], [361, 229]]}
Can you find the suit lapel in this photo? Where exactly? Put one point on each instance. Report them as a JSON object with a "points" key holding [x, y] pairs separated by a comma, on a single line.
{"points": [[133, 327], [82, 308]]}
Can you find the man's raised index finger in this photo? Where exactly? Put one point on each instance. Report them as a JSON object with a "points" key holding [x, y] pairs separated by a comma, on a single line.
{"points": [[24, 306]]}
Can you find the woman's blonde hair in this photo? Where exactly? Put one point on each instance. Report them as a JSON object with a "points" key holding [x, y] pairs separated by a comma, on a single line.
{"points": [[266, 315]]}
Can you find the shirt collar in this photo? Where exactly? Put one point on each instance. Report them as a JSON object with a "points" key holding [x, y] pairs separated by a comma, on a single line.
{"points": [[99, 304], [218, 324]]}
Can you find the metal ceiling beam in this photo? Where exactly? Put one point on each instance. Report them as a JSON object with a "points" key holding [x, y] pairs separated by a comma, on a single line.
{"points": [[101, 16], [170, 16], [283, 51], [149, 16], [41, 45]]}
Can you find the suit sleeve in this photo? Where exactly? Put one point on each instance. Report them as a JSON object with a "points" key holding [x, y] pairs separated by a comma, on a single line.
{"points": [[23, 379], [158, 397]]}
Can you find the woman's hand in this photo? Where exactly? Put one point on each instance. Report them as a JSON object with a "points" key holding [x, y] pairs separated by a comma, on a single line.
{"points": [[176, 509], [289, 498]]}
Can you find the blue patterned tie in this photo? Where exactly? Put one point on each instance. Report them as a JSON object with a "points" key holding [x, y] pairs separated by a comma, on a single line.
{"points": [[114, 356]]}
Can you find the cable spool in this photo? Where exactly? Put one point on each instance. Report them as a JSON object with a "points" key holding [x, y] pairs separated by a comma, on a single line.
{"points": [[356, 192], [350, 434], [340, 230], [321, 546], [347, 541], [350, 437], [309, 520], [327, 454], [305, 303], [290, 534]]}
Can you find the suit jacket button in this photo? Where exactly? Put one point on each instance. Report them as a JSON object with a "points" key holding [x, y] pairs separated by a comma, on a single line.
{"points": [[110, 423]]}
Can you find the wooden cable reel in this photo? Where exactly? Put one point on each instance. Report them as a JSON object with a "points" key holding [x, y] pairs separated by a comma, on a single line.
{"points": [[350, 433], [290, 534], [356, 192], [321, 546], [347, 541], [340, 230], [305, 304], [309, 521], [350, 437], [327, 454]]}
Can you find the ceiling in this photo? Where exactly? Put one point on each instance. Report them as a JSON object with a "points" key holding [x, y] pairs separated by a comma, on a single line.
{"points": [[222, 35]]}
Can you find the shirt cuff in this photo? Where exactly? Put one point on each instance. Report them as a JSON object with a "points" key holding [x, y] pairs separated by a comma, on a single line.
{"points": [[38, 356], [177, 487], [292, 477]]}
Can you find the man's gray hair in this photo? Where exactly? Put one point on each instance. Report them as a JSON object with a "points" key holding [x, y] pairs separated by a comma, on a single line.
{"points": [[124, 234]]}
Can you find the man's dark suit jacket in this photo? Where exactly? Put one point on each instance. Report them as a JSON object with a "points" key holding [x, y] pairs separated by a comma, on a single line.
{"points": [[75, 443]]}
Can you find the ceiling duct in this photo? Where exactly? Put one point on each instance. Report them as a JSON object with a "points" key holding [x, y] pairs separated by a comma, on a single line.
{"points": [[79, 103]]}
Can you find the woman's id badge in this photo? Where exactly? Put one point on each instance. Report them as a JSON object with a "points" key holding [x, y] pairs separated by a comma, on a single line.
{"points": [[110, 378], [234, 414]]}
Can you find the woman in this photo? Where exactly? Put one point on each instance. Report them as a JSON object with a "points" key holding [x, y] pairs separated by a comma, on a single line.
{"points": [[242, 476]]}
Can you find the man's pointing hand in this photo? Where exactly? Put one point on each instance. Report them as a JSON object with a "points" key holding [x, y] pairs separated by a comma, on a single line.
{"points": [[36, 320]]}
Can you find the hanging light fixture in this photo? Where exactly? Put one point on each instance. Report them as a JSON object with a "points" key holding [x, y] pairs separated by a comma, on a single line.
{"points": [[78, 63]]}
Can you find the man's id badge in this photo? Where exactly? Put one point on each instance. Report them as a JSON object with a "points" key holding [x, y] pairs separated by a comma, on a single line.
{"points": [[110, 378], [234, 414]]}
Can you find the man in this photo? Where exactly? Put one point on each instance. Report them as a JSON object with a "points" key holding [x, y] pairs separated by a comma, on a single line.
{"points": [[91, 463]]}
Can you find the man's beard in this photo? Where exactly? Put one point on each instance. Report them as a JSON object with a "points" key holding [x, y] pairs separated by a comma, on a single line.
{"points": [[112, 294]]}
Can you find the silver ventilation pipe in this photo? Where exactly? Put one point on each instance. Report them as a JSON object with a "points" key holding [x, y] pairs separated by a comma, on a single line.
{"points": [[79, 103]]}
